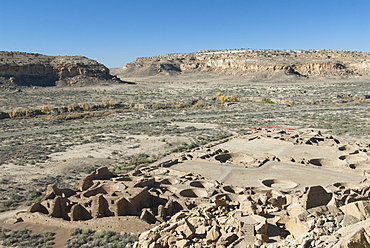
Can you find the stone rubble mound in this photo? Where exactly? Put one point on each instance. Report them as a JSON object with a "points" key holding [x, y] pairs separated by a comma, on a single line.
{"points": [[314, 218]]}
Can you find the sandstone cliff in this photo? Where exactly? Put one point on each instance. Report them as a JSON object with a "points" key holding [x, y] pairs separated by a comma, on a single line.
{"points": [[30, 69], [320, 63]]}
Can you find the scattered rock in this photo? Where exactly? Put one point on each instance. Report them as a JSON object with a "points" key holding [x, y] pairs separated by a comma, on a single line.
{"points": [[213, 234], [360, 209]]}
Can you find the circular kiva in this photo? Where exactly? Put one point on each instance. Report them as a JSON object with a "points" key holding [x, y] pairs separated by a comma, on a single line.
{"points": [[170, 181], [231, 197], [194, 193], [346, 185], [202, 184], [233, 189], [223, 157], [279, 184], [327, 162]]}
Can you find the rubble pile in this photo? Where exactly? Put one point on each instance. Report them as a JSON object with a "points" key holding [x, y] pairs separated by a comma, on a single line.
{"points": [[314, 218]]}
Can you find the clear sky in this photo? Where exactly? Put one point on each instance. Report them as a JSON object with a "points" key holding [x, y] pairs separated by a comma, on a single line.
{"points": [[115, 32]]}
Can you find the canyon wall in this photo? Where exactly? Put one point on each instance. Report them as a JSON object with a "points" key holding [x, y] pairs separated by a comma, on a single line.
{"points": [[30, 69], [320, 63]]}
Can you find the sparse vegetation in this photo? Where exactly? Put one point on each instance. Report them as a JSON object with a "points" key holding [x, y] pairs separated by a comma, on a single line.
{"points": [[234, 98], [147, 111], [289, 102], [179, 105], [134, 162], [267, 100], [25, 238], [47, 109], [108, 102], [103, 238], [86, 106], [14, 113], [223, 99], [68, 132], [72, 107], [200, 104]]}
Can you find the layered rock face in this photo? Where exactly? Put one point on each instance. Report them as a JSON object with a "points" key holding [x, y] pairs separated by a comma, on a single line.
{"points": [[30, 69], [321, 63]]}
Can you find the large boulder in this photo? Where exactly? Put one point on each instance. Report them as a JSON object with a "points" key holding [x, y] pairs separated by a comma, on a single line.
{"points": [[296, 227], [357, 239], [360, 209]]}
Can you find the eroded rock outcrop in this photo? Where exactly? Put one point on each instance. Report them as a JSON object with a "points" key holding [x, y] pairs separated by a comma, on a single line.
{"points": [[321, 63], [30, 69]]}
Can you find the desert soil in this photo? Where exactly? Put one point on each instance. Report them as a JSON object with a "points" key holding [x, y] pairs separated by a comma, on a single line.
{"points": [[37, 151]]}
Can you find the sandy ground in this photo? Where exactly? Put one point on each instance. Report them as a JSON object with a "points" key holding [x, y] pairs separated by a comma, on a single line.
{"points": [[251, 177], [285, 175], [129, 145], [61, 234]]}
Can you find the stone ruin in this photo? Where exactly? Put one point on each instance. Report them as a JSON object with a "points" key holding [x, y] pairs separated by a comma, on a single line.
{"points": [[179, 209], [317, 217], [186, 210], [350, 154], [152, 194]]}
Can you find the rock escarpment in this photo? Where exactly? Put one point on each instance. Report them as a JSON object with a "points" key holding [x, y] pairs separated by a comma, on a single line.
{"points": [[319, 63], [31, 69]]}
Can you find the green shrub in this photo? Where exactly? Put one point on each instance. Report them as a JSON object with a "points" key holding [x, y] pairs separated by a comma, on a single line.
{"points": [[134, 162], [102, 238], [75, 231], [267, 100], [25, 238]]}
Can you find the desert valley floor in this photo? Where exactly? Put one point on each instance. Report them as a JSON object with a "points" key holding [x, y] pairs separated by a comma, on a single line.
{"points": [[281, 133]]}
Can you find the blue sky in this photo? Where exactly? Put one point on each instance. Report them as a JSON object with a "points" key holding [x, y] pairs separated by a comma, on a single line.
{"points": [[115, 32]]}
